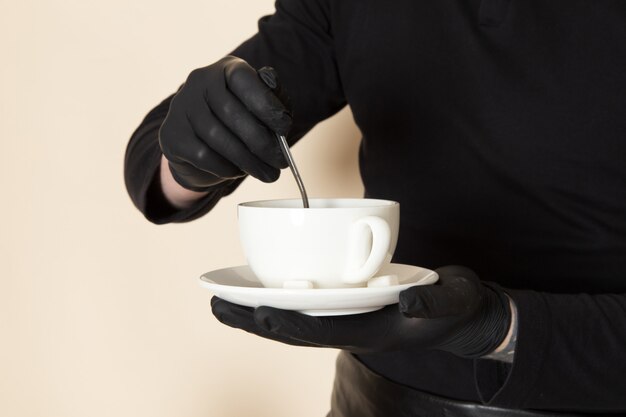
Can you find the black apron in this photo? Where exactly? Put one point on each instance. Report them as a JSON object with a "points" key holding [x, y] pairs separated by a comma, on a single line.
{"points": [[359, 392]]}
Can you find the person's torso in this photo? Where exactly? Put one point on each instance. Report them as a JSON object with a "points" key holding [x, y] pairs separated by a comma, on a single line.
{"points": [[501, 129]]}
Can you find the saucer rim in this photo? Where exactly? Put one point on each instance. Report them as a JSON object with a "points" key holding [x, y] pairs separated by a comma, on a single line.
{"points": [[429, 275], [316, 301]]}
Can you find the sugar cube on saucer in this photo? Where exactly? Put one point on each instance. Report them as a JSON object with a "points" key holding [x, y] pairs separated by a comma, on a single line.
{"points": [[298, 285], [383, 281]]}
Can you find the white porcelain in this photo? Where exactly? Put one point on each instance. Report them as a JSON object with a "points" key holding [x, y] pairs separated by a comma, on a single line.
{"points": [[240, 285], [335, 243]]}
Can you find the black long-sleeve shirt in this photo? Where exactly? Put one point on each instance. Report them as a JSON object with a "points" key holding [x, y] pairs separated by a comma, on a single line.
{"points": [[500, 127]]}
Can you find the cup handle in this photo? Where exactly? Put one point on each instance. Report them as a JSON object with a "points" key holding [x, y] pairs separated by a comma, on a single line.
{"points": [[381, 239]]}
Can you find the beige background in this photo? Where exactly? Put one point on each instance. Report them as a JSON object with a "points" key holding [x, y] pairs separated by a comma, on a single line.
{"points": [[100, 311]]}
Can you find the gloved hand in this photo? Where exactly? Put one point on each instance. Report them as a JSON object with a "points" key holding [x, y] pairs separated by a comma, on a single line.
{"points": [[220, 125], [459, 314]]}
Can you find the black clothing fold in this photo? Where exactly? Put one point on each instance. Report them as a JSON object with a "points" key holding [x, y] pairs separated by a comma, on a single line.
{"points": [[359, 392]]}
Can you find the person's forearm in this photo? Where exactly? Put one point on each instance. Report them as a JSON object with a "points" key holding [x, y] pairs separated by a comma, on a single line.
{"points": [[506, 351], [176, 194]]}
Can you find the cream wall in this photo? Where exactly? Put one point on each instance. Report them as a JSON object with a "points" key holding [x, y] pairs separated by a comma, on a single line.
{"points": [[100, 311]]}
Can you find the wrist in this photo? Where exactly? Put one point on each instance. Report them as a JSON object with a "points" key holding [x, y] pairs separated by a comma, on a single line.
{"points": [[177, 195], [505, 352]]}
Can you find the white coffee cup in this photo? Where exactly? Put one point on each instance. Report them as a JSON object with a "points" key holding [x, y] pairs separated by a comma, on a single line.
{"points": [[333, 244]]}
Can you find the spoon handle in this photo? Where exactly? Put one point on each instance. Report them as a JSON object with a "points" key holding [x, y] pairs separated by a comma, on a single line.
{"points": [[294, 170]]}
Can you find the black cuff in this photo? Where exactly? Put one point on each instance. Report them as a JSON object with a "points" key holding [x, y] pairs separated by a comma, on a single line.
{"points": [[485, 333]]}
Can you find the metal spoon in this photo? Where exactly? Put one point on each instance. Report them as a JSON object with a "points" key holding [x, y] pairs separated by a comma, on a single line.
{"points": [[284, 146]]}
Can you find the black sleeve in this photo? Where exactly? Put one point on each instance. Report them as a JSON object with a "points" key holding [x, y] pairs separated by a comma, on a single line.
{"points": [[570, 353], [297, 41]]}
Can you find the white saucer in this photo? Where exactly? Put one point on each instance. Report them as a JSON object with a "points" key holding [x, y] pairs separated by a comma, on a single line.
{"points": [[240, 286]]}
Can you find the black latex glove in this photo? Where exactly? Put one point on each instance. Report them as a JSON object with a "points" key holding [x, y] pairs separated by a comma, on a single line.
{"points": [[220, 125], [459, 314]]}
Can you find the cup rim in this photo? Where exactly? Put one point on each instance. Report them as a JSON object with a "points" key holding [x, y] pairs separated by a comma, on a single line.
{"points": [[375, 202]]}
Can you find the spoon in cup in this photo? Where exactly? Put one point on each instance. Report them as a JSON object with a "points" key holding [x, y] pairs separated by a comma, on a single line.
{"points": [[284, 146]]}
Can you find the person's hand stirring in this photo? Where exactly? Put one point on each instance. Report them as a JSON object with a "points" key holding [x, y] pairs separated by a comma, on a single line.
{"points": [[221, 124]]}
